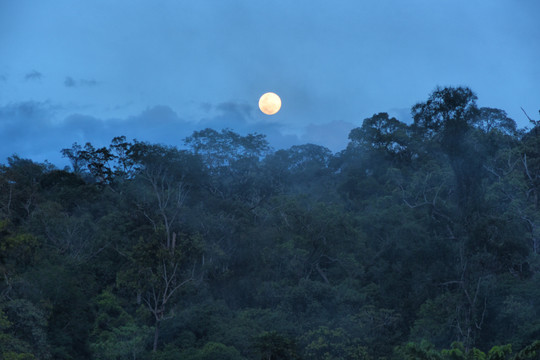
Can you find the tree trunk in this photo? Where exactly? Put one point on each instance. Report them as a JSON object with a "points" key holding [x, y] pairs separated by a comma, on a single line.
{"points": [[156, 336]]}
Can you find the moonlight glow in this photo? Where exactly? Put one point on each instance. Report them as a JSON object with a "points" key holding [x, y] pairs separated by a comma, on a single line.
{"points": [[269, 103]]}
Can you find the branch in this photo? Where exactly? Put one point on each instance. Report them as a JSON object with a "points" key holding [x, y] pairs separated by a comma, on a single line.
{"points": [[191, 278], [177, 287], [152, 309], [535, 122], [479, 325], [415, 205], [319, 270], [524, 160], [452, 282], [492, 171]]}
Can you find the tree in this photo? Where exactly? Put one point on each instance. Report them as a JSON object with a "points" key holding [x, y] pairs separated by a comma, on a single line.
{"points": [[27, 325], [232, 160], [329, 344], [275, 346], [96, 162], [380, 133], [490, 119], [446, 117], [20, 186], [447, 113], [115, 334], [10, 346], [298, 168], [426, 351], [165, 258], [105, 165], [220, 149], [213, 351]]}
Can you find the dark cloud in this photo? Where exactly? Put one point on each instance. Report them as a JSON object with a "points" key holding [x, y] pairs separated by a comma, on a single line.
{"points": [[206, 107], [157, 115], [228, 114], [83, 127], [158, 124], [120, 106], [233, 115], [240, 109], [31, 130], [70, 82], [85, 82], [33, 75], [27, 129], [34, 130], [22, 112]]}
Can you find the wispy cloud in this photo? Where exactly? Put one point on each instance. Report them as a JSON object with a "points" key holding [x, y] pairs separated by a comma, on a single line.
{"points": [[86, 82], [33, 76], [69, 82], [72, 83]]}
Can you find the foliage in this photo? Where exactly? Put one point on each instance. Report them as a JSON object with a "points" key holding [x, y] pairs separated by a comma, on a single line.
{"points": [[417, 241]]}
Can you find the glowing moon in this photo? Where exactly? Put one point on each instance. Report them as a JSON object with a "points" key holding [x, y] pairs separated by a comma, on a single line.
{"points": [[269, 103]]}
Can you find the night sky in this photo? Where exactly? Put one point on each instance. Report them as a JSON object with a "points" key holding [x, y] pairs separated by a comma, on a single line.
{"points": [[78, 71]]}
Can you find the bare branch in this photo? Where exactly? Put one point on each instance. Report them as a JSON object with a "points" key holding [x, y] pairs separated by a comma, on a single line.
{"points": [[492, 171], [535, 122]]}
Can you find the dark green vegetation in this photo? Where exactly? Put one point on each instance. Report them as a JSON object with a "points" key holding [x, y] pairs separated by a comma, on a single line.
{"points": [[417, 241]]}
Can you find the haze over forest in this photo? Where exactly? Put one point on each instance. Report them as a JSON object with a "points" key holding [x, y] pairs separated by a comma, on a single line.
{"points": [[417, 241], [389, 210]]}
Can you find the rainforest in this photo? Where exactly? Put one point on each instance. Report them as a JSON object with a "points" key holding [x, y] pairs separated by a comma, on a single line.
{"points": [[417, 241]]}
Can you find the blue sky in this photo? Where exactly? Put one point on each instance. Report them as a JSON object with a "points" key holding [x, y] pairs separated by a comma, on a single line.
{"points": [[73, 70]]}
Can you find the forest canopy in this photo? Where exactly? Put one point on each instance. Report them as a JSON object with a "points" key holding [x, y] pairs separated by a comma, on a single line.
{"points": [[417, 241]]}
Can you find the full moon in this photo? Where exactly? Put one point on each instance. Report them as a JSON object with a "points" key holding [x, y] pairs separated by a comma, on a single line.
{"points": [[269, 103]]}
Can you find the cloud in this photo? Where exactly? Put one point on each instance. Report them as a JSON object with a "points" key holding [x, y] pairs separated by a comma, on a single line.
{"points": [[34, 130], [33, 76], [82, 128], [70, 82], [24, 112], [206, 106], [240, 109], [158, 124], [27, 129], [230, 114], [85, 82], [333, 134]]}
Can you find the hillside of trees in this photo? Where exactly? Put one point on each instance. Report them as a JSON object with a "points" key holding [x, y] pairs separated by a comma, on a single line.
{"points": [[418, 241]]}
